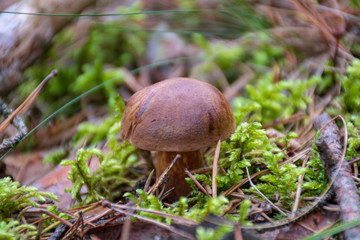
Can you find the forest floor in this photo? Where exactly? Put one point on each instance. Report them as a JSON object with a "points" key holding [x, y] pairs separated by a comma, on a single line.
{"points": [[290, 70]]}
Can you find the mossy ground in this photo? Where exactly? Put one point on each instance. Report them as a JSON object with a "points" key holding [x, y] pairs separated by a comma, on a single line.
{"points": [[279, 87]]}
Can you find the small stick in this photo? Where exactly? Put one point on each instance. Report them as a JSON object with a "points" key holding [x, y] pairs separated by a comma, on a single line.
{"points": [[245, 180], [126, 229], [160, 224], [335, 57], [356, 170], [163, 195], [177, 219], [197, 182], [63, 221], [29, 100], [215, 169], [76, 217], [262, 195], [356, 178], [298, 190], [148, 180], [267, 217], [18, 124], [237, 232], [354, 161], [244, 196], [201, 170], [162, 176], [160, 194], [293, 118], [339, 171], [222, 170], [231, 206]]}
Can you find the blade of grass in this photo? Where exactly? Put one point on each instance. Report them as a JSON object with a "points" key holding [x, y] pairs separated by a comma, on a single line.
{"points": [[335, 230], [111, 14]]}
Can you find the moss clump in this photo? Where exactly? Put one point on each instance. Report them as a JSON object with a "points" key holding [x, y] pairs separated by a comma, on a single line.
{"points": [[14, 199]]}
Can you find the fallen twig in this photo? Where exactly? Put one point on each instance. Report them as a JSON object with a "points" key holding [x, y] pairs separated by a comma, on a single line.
{"points": [[215, 169], [162, 176], [29, 100], [183, 234], [245, 180], [197, 183], [148, 180], [298, 190], [331, 154], [262, 195], [17, 122]]}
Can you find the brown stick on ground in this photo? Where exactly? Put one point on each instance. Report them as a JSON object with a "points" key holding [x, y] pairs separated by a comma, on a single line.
{"points": [[330, 150], [18, 123]]}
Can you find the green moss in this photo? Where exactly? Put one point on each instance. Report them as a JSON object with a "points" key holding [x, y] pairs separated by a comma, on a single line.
{"points": [[315, 178], [111, 177], [213, 233], [117, 166], [9, 230], [14, 198], [55, 157], [355, 3], [256, 50], [108, 47], [349, 99], [268, 101], [353, 147]]}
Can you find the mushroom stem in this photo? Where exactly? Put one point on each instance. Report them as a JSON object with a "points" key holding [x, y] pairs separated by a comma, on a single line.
{"points": [[190, 160]]}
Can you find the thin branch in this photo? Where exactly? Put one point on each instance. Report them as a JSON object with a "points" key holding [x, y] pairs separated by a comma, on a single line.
{"points": [[148, 180], [159, 213], [29, 100], [163, 175], [332, 155], [160, 224], [18, 124], [298, 190], [215, 169], [262, 195], [245, 180], [197, 182]]}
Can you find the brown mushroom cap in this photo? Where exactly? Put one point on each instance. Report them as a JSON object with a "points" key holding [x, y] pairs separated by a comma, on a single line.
{"points": [[178, 114]]}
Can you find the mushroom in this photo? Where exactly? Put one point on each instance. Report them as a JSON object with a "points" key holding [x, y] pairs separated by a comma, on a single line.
{"points": [[177, 116]]}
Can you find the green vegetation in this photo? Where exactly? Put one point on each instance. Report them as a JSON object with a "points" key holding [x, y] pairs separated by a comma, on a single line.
{"points": [[181, 208], [9, 230], [353, 142], [269, 101], [117, 166], [14, 199], [250, 147], [348, 100], [80, 175], [211, 233], [116, 170], [110, 49]]}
